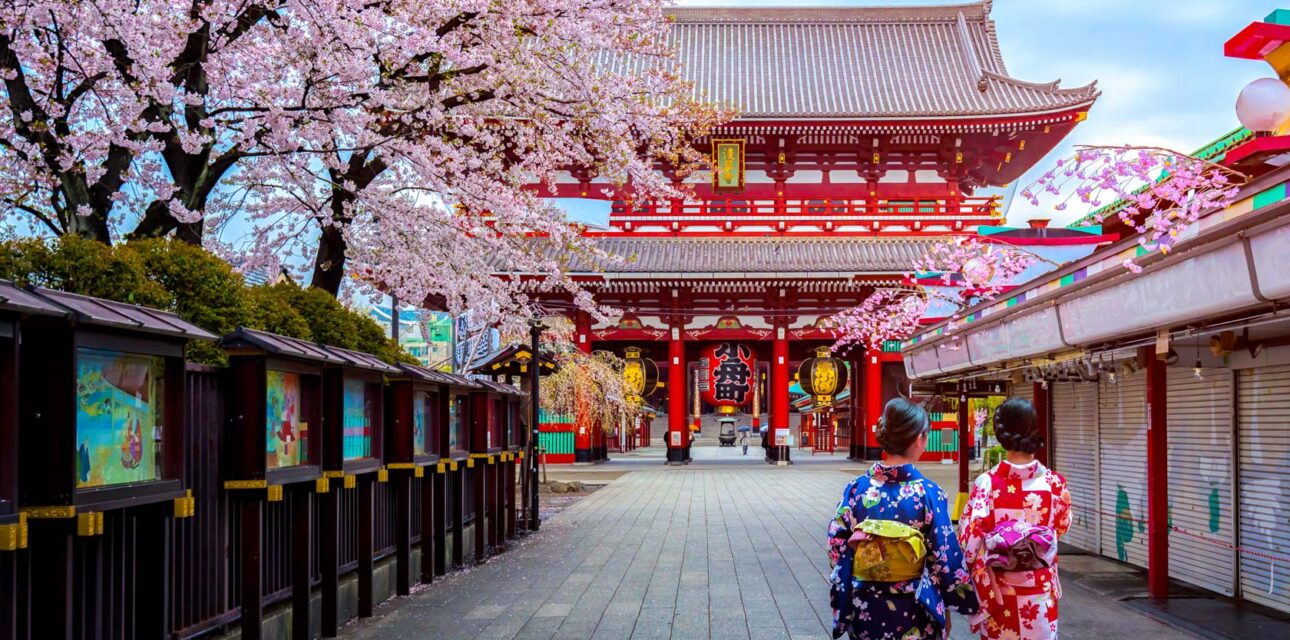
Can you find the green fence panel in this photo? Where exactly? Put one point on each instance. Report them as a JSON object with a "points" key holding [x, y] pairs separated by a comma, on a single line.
{"points": [[556, 442]]}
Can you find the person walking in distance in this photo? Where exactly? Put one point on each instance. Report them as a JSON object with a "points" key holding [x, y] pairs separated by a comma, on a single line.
{"points": [[743, 441], [1010, 526], [897, 566]]}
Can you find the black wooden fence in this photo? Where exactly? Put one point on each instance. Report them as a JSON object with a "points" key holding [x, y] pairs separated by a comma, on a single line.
{"points": [[203, 574]]}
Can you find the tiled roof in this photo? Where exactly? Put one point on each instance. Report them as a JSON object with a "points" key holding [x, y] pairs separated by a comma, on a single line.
{"points": [[120, 315], [297, 348], [855, 62], [754, 255]]}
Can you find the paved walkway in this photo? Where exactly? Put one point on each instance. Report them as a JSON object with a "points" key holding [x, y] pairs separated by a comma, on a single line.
{"points": [[721, 551]]}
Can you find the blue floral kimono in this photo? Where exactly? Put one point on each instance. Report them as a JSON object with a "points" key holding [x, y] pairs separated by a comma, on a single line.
{"points": [[898, 610]]}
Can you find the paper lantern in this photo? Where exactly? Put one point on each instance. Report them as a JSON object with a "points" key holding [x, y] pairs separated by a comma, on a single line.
{"points": [[725, 377], [822, 376], [640, 374], [1263, 105]]}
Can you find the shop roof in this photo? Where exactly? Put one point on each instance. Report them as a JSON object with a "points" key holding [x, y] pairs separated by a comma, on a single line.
{"points": [[281, 345], [118, 315]]}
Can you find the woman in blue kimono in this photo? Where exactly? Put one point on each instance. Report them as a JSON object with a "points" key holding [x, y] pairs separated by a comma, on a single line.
{"points": [[897, 564]]}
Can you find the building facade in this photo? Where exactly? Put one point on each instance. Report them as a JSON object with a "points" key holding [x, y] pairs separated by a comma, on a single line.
{"points": [[862, 135]]}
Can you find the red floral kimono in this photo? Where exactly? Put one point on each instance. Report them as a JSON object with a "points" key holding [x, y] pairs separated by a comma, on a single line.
{"points": [[1015, 605]]}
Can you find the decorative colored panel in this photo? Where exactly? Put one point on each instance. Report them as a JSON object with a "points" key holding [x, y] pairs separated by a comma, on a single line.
{"points": [[286, 436], [421, 421], [356, 440], [457, 423], [559, 442], [1271, 196], [119, 408]]}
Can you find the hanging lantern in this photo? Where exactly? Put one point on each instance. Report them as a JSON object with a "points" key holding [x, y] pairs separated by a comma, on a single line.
{"points": [[822, 376], [726, 376], [640, 374]]}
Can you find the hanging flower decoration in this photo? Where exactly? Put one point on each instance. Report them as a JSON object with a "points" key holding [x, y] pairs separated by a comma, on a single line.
{"points": [[968, 270], [887, 314], [1157, 192]]}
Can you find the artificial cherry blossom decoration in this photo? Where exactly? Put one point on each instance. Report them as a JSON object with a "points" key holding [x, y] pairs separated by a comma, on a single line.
{"points": [[590, 386], [887, 314], [983, 268], [1157, 192]]}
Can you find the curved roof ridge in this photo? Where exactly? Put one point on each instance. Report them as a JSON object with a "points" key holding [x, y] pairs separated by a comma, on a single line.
{"points": [[1053, 87]]}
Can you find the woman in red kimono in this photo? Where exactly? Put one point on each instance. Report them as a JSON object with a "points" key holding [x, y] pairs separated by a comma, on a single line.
{"points": [[1015, 513]]}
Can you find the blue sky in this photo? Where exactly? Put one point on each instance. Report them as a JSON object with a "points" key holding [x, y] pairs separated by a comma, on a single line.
{"points": [[1159, 65]]}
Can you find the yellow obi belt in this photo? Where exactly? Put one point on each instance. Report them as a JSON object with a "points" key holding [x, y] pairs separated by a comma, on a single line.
{"points": [[887, 551]]}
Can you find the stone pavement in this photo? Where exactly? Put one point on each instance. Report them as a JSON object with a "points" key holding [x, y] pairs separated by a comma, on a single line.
{"points": [[704, 551]]}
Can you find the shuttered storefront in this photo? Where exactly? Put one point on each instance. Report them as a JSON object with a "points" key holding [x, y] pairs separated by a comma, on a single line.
{"points": [[1024, 390], [1200, 478], [1074, 432], [1122, 467], [1263, 413]]}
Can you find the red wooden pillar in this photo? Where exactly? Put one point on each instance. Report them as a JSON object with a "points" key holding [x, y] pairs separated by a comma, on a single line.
{"points": [[1043, 415], [1157, 480], [779, 391], [677, 385], [872, 402], [965, 429], [584, 444]]}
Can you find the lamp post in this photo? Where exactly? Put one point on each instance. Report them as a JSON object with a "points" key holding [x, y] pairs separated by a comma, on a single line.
{"points": [[530, 454]]}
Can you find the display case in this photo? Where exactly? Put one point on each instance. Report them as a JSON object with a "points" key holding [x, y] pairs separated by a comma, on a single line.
{"points": [[102, 405], [353, 409], [275, 435]]}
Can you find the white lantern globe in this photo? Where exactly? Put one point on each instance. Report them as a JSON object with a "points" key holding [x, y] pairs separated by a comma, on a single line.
{"points": [[1263, 105]]}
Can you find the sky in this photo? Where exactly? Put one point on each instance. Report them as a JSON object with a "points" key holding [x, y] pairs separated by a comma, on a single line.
{"points": [[1159, 65]]}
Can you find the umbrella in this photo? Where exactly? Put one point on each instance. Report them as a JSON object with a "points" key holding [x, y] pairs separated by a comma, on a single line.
{"points": [[745, 428]]}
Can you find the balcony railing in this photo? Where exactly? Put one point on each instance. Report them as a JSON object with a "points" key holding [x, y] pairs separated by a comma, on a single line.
{"points": [[783, 214]]}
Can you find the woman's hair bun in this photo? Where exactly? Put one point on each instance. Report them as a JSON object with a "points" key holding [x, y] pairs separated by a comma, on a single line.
{"points": [[900, 425], [1015, 426]]}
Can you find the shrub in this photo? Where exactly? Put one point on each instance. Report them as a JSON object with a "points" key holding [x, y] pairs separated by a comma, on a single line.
{"points": [[197, 285]]}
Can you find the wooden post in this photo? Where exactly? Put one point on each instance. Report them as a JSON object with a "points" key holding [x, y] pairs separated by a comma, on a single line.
{"points": [[431, 528], [329, 558], [508, 487], [455, 481], [252, 555], [1157, 479], [365, 487], [401, 485], [302, 540]]}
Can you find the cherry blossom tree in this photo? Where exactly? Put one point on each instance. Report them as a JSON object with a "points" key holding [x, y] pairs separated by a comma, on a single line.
{"points": [[487, 104], [391, 140], [124, 117], [1157, 192], [590, 386]]}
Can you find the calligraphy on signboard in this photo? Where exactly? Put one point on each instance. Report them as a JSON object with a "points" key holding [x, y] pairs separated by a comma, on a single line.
{"points": [[728, 164]]}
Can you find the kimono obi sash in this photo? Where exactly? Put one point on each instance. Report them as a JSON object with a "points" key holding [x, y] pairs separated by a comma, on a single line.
{"points": [[1015, 545], [887, 551]]}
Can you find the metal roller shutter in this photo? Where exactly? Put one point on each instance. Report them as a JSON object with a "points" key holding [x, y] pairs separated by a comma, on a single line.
{"points": [[1024, 390], [1200, 480], [1075, 457], [1263, 410], [1122, 466]]}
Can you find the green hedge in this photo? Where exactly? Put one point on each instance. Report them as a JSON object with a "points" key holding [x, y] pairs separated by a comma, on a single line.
{"points": [[195, 284]]}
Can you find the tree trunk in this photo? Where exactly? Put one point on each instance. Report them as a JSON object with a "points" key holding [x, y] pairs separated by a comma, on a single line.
{"points": [[329, 265]]}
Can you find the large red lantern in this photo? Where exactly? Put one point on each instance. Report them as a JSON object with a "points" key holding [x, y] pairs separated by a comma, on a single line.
{"points": [[726, 376]]}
